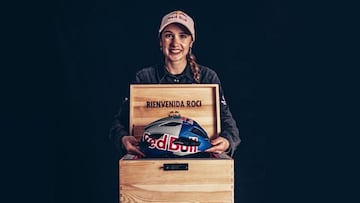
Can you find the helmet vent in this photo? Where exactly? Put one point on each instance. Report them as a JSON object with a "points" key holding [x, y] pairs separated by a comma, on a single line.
{"points": [[171, 124], [198, 132]]}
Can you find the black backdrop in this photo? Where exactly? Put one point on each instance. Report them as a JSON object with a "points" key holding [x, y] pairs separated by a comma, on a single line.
{"points": [[101, 44], [286, 68], [90, 50]]}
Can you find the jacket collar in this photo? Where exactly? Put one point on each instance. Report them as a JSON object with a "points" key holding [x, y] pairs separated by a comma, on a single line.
{"points": [[162, 72]]}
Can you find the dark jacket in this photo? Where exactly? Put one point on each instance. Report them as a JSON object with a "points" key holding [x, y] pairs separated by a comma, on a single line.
{"points": [[157, 74]]}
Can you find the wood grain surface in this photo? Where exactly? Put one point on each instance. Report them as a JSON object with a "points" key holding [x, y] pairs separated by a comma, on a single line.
{"points": [[207, 114]]}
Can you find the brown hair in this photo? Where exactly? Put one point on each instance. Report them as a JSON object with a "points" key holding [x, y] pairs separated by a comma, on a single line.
{"points": [[194, 66]]}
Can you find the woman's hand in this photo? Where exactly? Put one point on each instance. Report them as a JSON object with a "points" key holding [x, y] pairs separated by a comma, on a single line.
{"points": [[220, 145], [131, 145]]}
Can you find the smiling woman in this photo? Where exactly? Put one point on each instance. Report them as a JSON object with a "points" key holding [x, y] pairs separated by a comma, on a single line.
{"points": [[176, 38], [177, 35], [175, 43]]}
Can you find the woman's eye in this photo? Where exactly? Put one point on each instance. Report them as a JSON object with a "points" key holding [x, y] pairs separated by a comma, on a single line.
{"points": [[170, 36], [183, 36]]}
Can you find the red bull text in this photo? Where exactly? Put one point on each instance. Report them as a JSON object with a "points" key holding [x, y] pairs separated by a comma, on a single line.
{"points": [[166, 143]]}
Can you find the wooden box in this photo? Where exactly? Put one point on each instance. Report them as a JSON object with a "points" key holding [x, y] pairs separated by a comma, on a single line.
{"points": [[176, 179]]}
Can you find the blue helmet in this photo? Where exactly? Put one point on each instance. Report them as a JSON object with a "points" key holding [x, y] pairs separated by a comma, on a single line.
{"points": [[174, 136]]}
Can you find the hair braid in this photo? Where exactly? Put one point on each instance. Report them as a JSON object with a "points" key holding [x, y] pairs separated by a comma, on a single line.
{"points": [[194, 67]]}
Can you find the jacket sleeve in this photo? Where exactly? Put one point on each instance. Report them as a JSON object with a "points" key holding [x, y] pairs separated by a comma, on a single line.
{"points": [[229, 129], [120, 126]]}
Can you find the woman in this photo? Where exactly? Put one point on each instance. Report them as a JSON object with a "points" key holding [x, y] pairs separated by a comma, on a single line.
{"points": [[176, 37]]}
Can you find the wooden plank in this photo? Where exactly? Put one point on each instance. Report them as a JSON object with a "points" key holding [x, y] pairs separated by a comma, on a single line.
{"points": [[200, 171], [142, 196]]}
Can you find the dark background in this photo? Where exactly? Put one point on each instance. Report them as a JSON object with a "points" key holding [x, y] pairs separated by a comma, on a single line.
{"points": [[100, 46], [71, 62]]}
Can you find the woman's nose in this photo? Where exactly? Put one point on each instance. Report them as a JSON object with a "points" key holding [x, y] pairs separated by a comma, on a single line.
{"points": [[175, 40]]}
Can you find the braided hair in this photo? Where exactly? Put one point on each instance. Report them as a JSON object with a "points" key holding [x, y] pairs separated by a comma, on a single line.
{"points": [[194, 66]]}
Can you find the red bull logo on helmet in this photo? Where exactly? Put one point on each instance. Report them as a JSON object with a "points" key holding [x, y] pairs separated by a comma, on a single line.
{"points": [[165, 143]]}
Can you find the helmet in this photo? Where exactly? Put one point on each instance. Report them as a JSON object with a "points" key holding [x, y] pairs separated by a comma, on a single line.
{"points": [[174, 136]]}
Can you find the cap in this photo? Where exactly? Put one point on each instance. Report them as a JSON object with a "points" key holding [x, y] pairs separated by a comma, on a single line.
{"points": [[178, 17]]}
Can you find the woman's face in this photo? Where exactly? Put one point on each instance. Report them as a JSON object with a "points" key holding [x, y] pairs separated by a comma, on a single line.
{"points": [[175, 43]]}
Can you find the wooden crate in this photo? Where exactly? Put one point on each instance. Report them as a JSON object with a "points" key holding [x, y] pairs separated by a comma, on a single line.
{"points": [[205, 180], [190, 179]]}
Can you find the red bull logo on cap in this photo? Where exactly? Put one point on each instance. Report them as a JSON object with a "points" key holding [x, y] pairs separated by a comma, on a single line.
{"points": [[178, 15]]}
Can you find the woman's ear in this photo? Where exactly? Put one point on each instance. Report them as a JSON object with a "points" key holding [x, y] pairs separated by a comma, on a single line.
{"points": [[160, 43]]}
